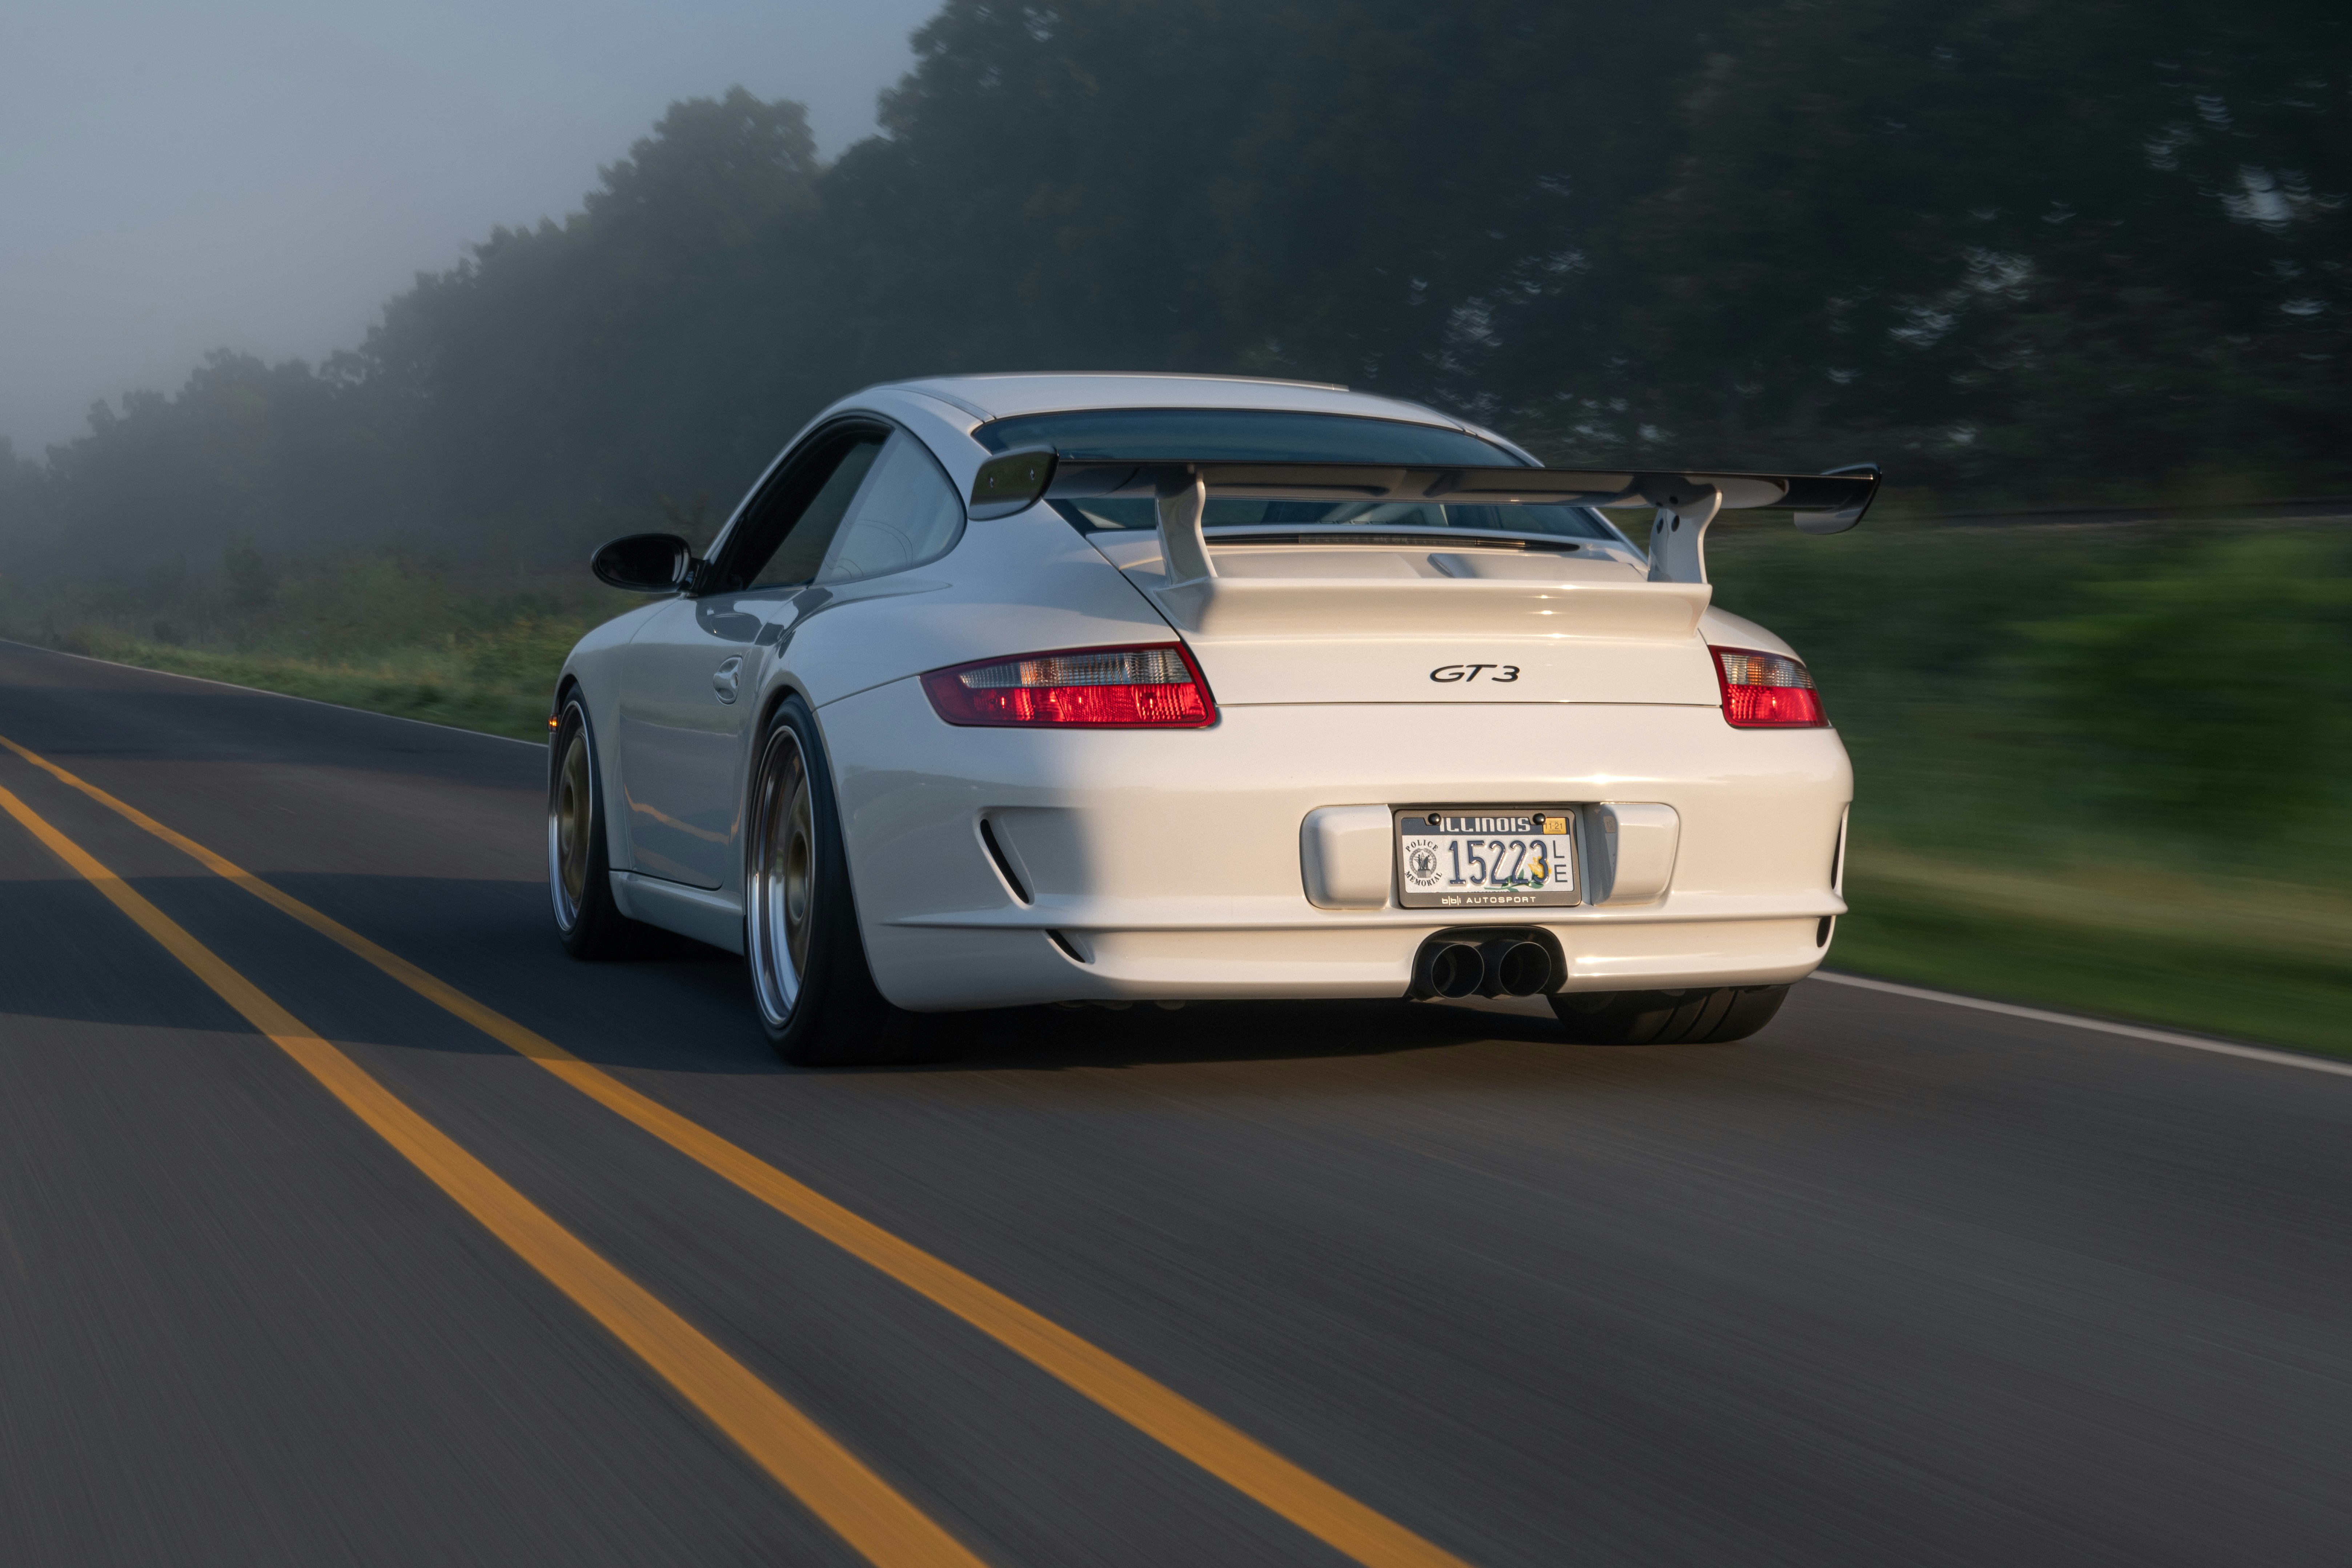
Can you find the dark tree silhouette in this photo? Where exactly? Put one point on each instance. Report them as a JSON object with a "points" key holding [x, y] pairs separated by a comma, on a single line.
{"points": [[2012, 249]]}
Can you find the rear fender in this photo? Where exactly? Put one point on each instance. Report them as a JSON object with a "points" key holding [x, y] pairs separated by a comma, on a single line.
{"points": [[1015, 585]]}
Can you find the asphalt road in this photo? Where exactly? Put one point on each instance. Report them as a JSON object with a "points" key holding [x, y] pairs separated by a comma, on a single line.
{"points": [[1895, 1282]]}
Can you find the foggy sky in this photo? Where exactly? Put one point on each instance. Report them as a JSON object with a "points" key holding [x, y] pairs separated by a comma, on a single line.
{"points": [[175, 178]]}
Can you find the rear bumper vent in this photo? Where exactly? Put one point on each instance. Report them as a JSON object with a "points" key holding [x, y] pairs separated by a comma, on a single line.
{"points": [[1004, 865]]}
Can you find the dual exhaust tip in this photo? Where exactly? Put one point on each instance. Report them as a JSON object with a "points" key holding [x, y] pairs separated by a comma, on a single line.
{"points": [[1497, 966]]}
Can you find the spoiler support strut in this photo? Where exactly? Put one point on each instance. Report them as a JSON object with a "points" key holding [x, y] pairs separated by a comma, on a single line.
{"points": [[1182, 504], [1678, 531]]}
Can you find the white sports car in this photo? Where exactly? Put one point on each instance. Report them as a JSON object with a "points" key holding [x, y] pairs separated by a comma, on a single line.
{"points": [[1002, 689]]}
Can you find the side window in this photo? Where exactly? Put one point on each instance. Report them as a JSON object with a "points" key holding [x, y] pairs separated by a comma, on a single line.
{"points": [[787, 536], [906, 514]]}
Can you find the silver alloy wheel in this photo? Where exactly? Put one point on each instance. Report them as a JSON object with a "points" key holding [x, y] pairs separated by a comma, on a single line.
{"points": [[571, 819], [781, 883]]}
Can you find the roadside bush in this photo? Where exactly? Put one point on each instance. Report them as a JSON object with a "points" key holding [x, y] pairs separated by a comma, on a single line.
{"points": [[2216, 685], [524, 651], [2066, 699]]}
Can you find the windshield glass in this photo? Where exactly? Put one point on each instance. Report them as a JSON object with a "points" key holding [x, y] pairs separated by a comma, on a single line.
{"points": [[1271, 436]]}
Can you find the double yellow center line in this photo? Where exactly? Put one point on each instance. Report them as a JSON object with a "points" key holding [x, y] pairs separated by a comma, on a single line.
{"points": [[849, 1497], [859, 1506]]}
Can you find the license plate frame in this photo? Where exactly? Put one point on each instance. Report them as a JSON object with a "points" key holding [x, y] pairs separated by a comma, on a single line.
{"points": [[1443, 860]]}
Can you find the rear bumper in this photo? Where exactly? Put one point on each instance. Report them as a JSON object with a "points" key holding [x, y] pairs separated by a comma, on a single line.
{"points": [[1165, 865]]}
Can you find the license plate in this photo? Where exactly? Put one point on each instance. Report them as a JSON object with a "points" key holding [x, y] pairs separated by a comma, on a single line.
{"points": [[1486, 857]]}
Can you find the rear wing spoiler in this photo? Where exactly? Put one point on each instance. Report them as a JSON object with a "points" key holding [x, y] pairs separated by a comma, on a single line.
{"points": [[1686, 503]]}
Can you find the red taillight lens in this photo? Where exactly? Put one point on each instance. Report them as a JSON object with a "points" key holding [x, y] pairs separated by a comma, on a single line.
{"points": [[1766, 691], [1120, 687]]}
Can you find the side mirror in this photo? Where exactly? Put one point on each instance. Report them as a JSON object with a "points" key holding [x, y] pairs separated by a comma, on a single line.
{"points": [[644, 563]]}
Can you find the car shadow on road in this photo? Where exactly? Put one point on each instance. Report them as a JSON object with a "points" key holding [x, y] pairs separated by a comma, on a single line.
{"points": [[1052, 1038], [707, 987]]}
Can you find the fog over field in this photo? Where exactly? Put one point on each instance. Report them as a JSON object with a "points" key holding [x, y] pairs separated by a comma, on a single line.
{"points": [[264, 176]]}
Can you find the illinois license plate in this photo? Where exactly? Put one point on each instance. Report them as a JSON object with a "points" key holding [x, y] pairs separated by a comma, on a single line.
{"points": [[1486, 857]]}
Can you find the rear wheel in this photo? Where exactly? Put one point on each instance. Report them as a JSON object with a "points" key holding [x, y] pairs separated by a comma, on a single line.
{"points": [[1708, 1016], [816, 997], [578, 881]]}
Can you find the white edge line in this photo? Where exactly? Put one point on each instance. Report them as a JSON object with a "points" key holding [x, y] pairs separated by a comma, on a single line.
{"points": [[2131, 1031], [265, 692]]}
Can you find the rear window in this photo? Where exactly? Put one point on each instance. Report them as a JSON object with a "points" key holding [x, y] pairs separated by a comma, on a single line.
{"points": [[1239, 436], [1271, 436]]}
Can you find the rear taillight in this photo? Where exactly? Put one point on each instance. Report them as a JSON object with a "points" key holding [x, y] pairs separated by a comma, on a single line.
{"points": [[1157, 688], [1766, 691]]}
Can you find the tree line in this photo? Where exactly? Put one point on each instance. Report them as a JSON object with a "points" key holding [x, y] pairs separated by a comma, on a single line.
{"points": [[2018, 251]]}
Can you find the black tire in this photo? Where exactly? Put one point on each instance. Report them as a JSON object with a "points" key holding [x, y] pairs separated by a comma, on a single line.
{"points": [[816, 996], [579, 883], [1697, 1017]]}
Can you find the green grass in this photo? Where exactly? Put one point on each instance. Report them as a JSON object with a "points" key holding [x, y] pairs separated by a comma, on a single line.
{"points": [[476, 645], [2099, 768], [2255, 960], [417, 683]]}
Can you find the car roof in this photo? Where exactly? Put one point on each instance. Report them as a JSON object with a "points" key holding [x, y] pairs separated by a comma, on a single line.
{"points": [[986, 397]]}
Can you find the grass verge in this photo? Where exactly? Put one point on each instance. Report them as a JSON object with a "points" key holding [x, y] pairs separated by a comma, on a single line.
{"points": [[2250, 960], [409, 686]]}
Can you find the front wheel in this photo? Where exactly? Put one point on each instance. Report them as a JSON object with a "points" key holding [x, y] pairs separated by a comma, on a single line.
{"points": [[1696, 1017], [816, 997], [578, 881]]}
